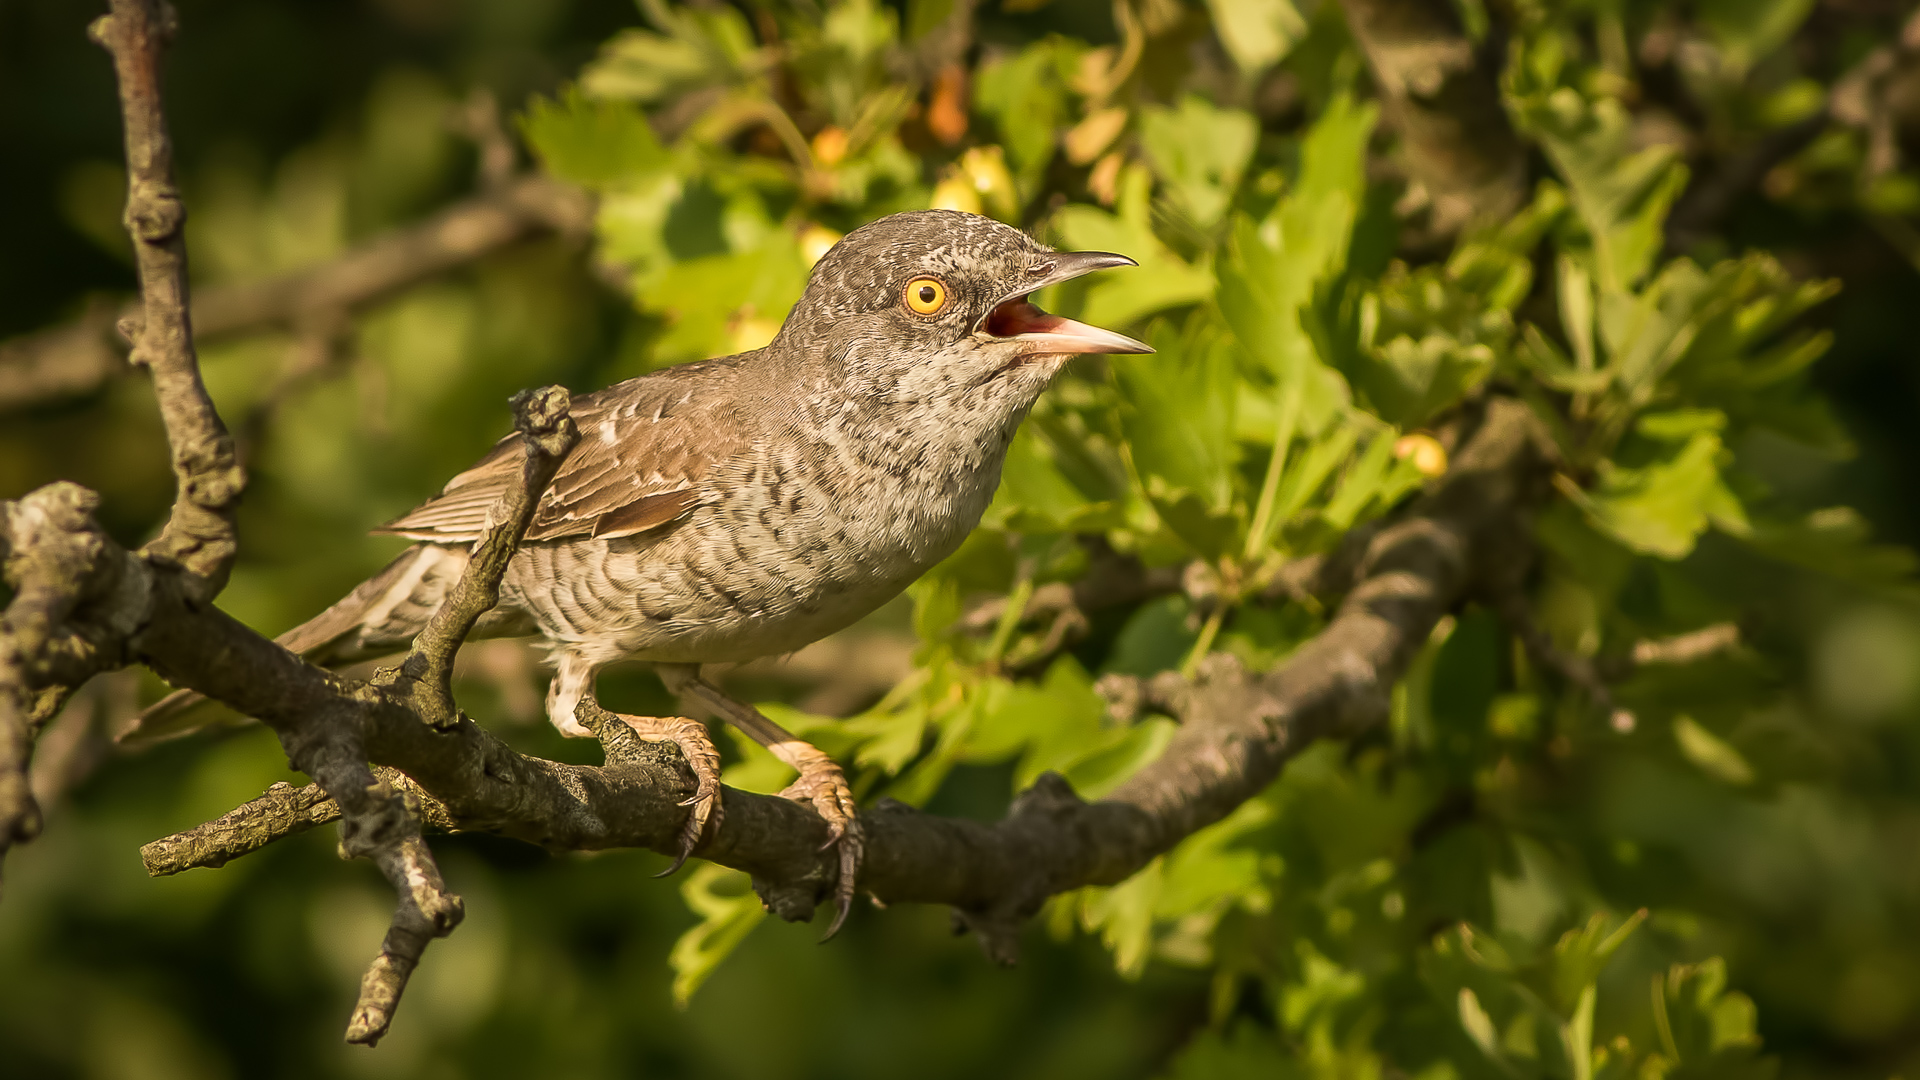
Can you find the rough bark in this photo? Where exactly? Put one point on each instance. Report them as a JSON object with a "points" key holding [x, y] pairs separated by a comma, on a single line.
{"points": [[199, 535]]}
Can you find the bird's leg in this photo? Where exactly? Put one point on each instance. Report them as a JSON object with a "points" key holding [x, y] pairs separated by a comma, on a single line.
{"points": [[821, 783], [572, 683], [571, 693]]}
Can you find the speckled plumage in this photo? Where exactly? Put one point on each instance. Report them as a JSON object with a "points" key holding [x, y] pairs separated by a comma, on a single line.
{"points": [[749, 505]]}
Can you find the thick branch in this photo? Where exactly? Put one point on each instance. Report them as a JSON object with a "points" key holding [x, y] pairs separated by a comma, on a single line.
{"points": [[77, 358], [1440, 93], [328, 725], [1237, 732]]}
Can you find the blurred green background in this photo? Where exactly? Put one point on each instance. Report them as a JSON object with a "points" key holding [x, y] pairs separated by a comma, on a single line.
{"points": [[1775, 839]]}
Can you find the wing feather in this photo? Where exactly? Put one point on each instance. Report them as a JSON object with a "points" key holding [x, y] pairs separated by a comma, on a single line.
{"points": [[647, 450]]}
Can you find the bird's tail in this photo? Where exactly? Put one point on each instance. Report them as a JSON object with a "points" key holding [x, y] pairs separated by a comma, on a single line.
{"points": [[378, 618]]}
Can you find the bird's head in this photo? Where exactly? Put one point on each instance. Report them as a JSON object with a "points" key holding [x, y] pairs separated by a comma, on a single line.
{"points": [[933, 305]]}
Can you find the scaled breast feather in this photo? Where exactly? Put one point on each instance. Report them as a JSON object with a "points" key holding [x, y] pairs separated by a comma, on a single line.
{"points": [[640, 464]]}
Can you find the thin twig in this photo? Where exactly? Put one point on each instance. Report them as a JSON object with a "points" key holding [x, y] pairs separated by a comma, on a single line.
{"points": [[544, 423], [199, 535], [79, 357], [282, 810], [1511, 605]]}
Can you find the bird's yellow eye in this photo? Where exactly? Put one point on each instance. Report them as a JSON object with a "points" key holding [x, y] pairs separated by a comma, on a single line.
{"points": [[926, 296]]}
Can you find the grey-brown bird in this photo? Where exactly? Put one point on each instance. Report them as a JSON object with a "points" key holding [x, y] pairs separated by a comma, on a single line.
{"points": [[749, 505]]}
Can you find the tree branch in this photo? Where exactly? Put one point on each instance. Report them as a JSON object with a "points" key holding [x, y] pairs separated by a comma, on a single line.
{"points": [[282, 810], [76, 598], [1238, 730], [199, 535], [81, 604], [79, 357], [1441, 95], [543, 420]]}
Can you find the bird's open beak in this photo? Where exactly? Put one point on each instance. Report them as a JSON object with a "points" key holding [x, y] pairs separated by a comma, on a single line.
{"points": [[1017, 319]]}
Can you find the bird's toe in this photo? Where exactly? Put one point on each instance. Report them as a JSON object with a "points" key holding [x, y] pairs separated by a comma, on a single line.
{"points": [[705, 811], [823, 785]]}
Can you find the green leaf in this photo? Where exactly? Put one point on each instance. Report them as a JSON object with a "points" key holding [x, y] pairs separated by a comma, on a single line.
{"points": [[1710, 753], [1098, 771], [1835, 541], [596, 144], [1257, 33], [700, 46], [1163, 280], [728, 910], [1037, 495], [1273, 267], [1703, 1025], [1200, 152], [1026, 97], [1620, 194], [1580, 956], [1748, 31], [1663, 507], [1123, 915], [1220, 865], [1154, 639], [1177, 414], [722, 304], [1477, 1024], [1245, 1051]]}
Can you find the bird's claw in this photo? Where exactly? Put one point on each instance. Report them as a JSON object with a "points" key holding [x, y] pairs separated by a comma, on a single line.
{"points": [[696, 746], [823, 786]]}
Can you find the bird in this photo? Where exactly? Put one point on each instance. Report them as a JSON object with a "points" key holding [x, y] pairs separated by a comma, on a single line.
{"points": [[748, 505]]}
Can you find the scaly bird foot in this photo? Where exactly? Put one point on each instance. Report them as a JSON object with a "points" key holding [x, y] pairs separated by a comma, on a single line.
{"points": [[704, 759], [823, 786]]}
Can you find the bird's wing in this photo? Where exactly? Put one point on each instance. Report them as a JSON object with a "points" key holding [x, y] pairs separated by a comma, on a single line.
{"points": [[647, 450]]}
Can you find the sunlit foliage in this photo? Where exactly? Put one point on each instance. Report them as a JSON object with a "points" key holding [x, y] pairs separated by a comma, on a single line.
{"points": [[1509, 882]]}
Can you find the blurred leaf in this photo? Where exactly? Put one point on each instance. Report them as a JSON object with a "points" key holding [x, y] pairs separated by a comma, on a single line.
{"points": [[1177, 413], [597, 144], [1200, 152], [1662, 507], [1163, 280], [701, 45], [1747, 31], [728, 911], [1243, 1052], [1123, 915], [1257, 33], [1024, 95], [1274, 266], [1714, 755], [711, 301], [1621, 194]]}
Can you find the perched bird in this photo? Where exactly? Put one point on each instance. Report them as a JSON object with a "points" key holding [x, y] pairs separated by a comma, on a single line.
{"points": [[749, 505]]}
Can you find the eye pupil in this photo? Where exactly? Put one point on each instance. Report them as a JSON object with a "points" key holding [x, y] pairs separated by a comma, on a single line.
{"points": [[927, 294]]}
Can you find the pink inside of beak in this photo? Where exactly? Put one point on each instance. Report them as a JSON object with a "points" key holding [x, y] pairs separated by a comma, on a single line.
{"points": [[1018, 316], [1019, 320]]}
